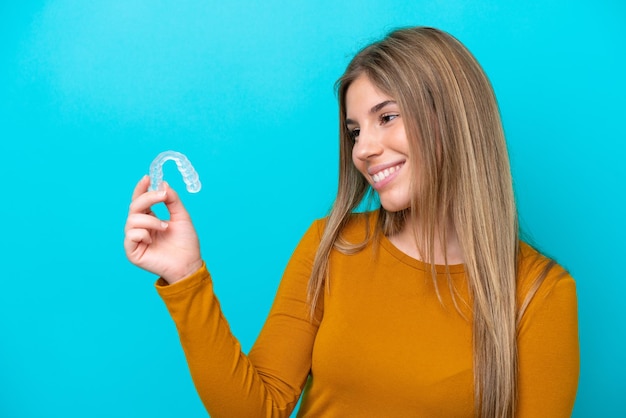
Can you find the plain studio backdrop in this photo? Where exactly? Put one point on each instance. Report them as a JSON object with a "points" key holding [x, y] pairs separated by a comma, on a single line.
{"points": [[91, 92]]}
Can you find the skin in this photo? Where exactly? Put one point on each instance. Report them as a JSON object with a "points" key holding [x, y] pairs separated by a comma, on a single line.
{"points": [[168, 249], [171, 249], [380, 142]]}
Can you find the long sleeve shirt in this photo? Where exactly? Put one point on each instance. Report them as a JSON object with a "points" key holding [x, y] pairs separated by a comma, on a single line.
{"points": [[381, 345]]}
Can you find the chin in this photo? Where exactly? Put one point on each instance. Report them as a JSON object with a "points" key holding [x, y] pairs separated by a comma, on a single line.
{"points": [[394, 206]]}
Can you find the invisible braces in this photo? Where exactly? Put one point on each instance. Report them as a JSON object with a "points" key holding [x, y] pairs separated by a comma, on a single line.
{"points": [[190, 176]]}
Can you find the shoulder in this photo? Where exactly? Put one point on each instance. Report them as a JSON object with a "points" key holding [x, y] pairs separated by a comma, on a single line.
{"points": [[531, 263], [540, 278], [357, 228]]}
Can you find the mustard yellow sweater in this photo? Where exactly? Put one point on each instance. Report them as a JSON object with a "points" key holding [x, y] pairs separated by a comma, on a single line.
{"points": [[385, 345]]}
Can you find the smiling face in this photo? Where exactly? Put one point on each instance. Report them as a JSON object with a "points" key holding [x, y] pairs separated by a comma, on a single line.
{"points": [[381, 148]]}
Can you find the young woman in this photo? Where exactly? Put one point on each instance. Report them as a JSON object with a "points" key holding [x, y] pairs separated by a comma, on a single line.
{"points": [[429, 306]]}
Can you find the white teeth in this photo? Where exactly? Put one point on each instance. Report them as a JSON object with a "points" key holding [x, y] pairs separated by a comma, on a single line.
{"points": [[381, 175]]}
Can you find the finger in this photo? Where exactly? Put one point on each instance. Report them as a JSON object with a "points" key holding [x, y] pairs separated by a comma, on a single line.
{"points": [[137, 236], [144, 221], [143, 203], [141, 187], [174, 204]]}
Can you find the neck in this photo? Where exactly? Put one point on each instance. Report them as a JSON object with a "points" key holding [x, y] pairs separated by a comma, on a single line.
{"points": [[405, 241]]}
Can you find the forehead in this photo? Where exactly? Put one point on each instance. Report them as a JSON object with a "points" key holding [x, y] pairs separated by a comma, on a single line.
{"points": [[362, 94]]}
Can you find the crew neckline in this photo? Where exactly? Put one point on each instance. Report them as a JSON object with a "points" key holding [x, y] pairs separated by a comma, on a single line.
{"points": [[415, 263]]}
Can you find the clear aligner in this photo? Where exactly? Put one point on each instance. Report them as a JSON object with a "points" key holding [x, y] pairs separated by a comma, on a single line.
{"points": [[190, 176]]}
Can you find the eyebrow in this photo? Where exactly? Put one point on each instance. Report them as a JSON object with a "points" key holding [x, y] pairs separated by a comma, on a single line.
{"points": [[376, 108]]}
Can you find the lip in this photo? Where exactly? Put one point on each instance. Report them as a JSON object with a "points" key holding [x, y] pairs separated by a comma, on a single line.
{"points": [[381, 167]]}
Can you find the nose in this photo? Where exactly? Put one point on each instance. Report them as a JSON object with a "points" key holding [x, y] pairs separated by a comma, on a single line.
{"points": [[367, 146]]}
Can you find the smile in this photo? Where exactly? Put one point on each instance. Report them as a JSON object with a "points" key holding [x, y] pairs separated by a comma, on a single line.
{"points": [[383, 174]]}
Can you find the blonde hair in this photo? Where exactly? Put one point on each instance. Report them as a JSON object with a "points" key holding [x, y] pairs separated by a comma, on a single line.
{"points": [[455, 136]]}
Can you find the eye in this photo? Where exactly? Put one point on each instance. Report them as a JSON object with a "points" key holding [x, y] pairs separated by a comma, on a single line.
{"points": [[354, 133], [388, 117]]}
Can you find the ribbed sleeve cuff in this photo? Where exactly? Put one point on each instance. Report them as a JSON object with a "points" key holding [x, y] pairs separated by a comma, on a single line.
{"points": [[198, 278]]}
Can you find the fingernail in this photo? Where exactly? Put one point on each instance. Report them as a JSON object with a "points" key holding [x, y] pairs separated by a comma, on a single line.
{"points": [[164, 225]]}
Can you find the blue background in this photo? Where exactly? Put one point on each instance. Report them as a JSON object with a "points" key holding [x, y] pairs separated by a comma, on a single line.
{"points": [[91, 92]]}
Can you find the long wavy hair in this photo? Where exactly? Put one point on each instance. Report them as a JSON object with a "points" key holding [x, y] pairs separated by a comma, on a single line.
{"points": [[455, 136]]}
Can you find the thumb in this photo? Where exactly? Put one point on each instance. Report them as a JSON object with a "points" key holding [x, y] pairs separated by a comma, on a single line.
{"points": [[174, 205]]}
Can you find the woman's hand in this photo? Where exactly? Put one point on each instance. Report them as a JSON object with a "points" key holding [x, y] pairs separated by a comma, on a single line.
{"points": [[168, 249]]}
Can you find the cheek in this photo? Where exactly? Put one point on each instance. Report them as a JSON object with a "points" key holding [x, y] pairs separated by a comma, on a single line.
{"points": [[359, 165], [355, 160]]}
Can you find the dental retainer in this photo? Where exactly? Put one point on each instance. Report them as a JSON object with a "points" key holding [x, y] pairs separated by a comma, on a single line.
{"points": [[190, 176]]}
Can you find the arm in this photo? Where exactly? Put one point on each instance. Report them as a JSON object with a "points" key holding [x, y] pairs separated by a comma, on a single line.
{"points": [[548, 347], [268, 382]]}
